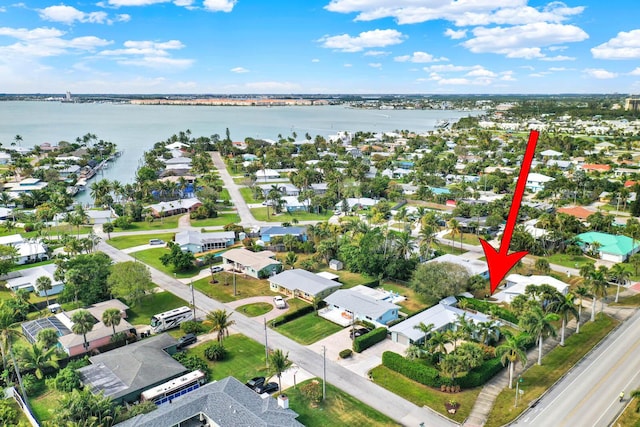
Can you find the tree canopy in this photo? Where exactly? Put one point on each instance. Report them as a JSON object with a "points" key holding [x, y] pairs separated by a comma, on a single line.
{"points": [[439, 279], [130, 280], [85, 278]]}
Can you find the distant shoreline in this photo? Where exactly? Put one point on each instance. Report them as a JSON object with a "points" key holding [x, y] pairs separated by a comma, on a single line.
{"points": [[231, 102]]}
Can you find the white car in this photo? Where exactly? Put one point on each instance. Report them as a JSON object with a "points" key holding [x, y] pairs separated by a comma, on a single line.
{"points": [[279, 302]]}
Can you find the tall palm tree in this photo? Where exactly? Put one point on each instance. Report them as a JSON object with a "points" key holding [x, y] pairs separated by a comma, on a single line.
{"points": [[539, 324], [438, 342], [488, 330], [404, 244], [38, 358], [111, 317], [43, 283], [581, 291], [83, 323], [513, 350], [565, 307], [278, 363], [599, 285], [218, 321], [425, 329], [620, 275], [456, 228]]}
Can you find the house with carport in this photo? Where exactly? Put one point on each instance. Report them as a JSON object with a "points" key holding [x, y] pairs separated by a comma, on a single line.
{"points": [[303, 284], [346, 306], [28, 250], [254, 264]]}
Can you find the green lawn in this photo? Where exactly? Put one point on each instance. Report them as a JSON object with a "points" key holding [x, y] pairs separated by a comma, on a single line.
{"points": [[261, 215], [151, 257], [52, 231], [308, 328], [35, 264], [448, 249], [339, 409], [124, 242], [219, 221], [245, 361], [467, 238], [349, 279], [224, 194], [571, 261], [247, 195], [166, 223], [537, 379], [422, 395], [414, 302], [45, 404], [153, 304], [223, 290], [255, 309]]}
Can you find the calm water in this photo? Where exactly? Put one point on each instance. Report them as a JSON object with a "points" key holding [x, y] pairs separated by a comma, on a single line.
{"points": [[135, 128]]}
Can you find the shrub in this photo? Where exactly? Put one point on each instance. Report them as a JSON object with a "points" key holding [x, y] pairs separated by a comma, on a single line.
{"points": [[67, 380], [480, 375], [8, 413], [291, 315], [215, 351], [78, 363], [312, 391], [345, 353], [31, 384], [192, 362], [416, 371], [486, 307], [192, 327], [365, 341]]}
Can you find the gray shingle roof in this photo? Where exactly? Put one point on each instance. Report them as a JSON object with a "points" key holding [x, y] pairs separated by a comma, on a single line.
{"points": [[304, 281], [227, 402]]}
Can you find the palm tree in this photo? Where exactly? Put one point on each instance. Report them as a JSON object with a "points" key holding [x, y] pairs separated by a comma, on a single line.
{"points": [[291, 259], [581, 291], [39, 358], [278, 363], [83, 323], [456, 229], [413, 352], [565, 307], [599, 287], [620, 275], [111, 317], [219, 322], [488, 330], [43, 283], [539, 324], [438, 342], [404, 244], [425, 329], [513, 350]]}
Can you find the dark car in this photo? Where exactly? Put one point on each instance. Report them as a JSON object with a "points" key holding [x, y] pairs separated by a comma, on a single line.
{"points": [[185, 340], [267, 388], [358, 332], [255, 382]]}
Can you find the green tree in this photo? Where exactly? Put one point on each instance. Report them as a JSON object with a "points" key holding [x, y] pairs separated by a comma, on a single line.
{"points": [[43, 283], [181, 261], [291, 259], [38, 358], [83, 407], [108, 227], [619, 275], [85, 277], [47, 337], [130, 280], [437, 280], [539, 324], [451, 366], [218, 321], [542, 265], [8, 256], [278, 363], [83, 323], [112, 317], [413, 352], [426, 330], [581, 291], [565, 307], [513, 350]]}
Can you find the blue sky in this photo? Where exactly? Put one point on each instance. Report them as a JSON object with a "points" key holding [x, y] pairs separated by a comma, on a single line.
{"points": [[313, 46]]}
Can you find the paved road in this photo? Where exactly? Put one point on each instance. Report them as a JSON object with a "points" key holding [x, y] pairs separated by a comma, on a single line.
{"points": [[361, 388], [588, 395]]}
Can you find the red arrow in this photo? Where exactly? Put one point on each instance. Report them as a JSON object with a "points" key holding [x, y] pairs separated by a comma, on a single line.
{"points": [[500, 262]]}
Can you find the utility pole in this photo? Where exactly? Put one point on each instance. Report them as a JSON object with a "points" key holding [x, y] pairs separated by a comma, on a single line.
{"points": [[234, 280], [193, 300], [266, 345], [324, 372]]}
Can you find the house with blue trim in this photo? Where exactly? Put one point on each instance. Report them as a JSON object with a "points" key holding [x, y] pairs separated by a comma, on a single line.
{"points": [[267, 233], [195, 241]]}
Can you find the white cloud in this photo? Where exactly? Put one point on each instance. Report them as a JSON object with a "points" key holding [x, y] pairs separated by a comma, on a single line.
{"points": [[626, 45], [123, 17], [480, 72], [600, 73], [46, 42], [184, 3], [219, 5], [315, 60], [454, 81], [522, 41], [69, 14], [558, 69], [239, 70], [455, 35], [273, 86], [376, 53], [557, 48], [419, 57], [118, 3], [375, 65], [507, 76], [558, 58], [461, 13], [150, 54], [158, 62], [635, 72], [3, 9], [348, 65], [365, 40]]}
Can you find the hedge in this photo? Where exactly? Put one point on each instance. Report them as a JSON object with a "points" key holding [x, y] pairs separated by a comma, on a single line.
{"points": [[416, 371], [365, 341], [345, 353], [480, 375], [291, 315]]}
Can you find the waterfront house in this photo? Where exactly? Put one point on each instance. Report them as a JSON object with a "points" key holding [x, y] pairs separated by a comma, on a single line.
{"points": [[254, 264], [27, 185], [196, 242], [303, 284]]}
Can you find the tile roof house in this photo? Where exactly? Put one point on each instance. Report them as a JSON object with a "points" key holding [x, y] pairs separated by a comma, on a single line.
{"points": [[577, 211], [124, 373], [516, 284], [346, 306], [223, 403], [303, 284], [195, 241], [255, 264], [590, 167], [615, 248]]}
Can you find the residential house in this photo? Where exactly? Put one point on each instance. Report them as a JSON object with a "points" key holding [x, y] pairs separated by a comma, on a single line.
{"points": [[615, 248], [473, 266], [266, 174], [319, 188], [254, 264], [442, 316], [516, 284], [26, 279], [269, 232], [346, 306], [537, 181], [196, 242], [551, 153], [223, 403], [592, 167], [28, 250], [293, 204], [175, 207], [125, 372], [303, 284], [357, 203], [579, 212], [285, 189], [5, 158], [27, 185], [100, 335]]}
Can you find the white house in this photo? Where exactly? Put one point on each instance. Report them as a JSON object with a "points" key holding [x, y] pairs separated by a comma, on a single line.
{"points": [[29, 250], [536, 181], [516, 284], [303, 284], [26, 280], [195, 241], [346, 306]]}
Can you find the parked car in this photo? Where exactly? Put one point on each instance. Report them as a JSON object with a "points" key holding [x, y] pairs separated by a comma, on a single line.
{"points": [[216, 269], [255, 382], [278, 301], [267, 388], [156, 242], [358, 332], [185, 340]]}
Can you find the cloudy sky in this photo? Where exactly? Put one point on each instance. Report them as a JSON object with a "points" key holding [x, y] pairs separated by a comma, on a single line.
{"points": [[320, 46]]}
